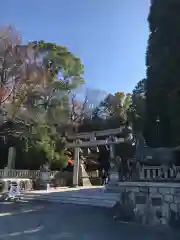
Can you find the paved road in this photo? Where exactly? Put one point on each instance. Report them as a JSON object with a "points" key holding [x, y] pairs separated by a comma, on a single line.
{"points": [[37, 221]]}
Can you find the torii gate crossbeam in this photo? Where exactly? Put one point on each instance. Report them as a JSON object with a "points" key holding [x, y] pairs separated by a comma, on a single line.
{"points": [[77, 145]]}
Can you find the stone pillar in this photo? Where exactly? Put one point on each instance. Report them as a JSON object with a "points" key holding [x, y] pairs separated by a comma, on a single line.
{"points": [[113, 172], [6, 171], [84, 175], [111, 149], [11, 158], [76, 167]]}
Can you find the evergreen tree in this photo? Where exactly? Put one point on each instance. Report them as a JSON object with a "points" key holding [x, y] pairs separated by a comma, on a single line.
{"points": [[139, 106], [163, 74]]}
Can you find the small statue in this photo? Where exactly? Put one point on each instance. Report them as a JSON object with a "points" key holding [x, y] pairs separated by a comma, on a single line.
{"points": [[6, 168], [45, 167], [135, 170]]}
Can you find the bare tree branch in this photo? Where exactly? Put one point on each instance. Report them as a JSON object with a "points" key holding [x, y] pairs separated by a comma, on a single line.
{"points": [[22, 74], [83, 102]]}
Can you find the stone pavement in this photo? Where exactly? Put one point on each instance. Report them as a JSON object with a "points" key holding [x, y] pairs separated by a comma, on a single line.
{"points": [[93, 196], [64, 221], [12, 208]]}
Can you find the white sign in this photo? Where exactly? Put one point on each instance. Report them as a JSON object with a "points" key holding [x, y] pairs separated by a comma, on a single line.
{"points": [[14, 191], [114, 176], [45, 176]]}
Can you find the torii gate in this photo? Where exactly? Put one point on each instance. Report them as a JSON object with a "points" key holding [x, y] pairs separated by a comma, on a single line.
{"points": [[77, 144]]}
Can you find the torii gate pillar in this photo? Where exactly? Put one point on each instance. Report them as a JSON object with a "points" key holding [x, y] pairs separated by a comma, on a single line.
{"points": [[76, 167]]}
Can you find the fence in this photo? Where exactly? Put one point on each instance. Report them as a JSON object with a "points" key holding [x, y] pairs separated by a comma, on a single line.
{"points": [[34, 174], [152, 173], [146, 173], [31, 174]]}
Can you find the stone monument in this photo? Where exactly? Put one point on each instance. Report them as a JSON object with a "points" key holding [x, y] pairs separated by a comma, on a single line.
{"points": [[113, 174], [45, 175], [153, 156]]}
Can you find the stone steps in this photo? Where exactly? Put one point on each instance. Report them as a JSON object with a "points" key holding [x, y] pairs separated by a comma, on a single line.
{"points": [[110, 197], [85, 201], [112, 188], [100, 200]]}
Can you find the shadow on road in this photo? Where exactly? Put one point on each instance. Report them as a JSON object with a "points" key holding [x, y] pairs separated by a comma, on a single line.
{"points": [[67, 221]]}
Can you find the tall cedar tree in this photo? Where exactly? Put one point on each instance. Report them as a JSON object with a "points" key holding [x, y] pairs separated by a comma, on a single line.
{"points": [[163, 74]]}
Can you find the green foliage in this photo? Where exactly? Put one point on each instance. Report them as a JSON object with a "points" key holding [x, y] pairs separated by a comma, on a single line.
{"points": [[163, 72], [139, 105], [39, 105], [58, 59], [118, 106], [55, 101], [114, 110], [43, 140]]}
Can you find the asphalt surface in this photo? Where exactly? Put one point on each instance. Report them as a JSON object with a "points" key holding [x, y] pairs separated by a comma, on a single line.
{"points": [[47, 221]]}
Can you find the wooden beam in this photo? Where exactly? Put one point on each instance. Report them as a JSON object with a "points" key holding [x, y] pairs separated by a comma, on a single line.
{"points": [[94, 143], [87, 135]]}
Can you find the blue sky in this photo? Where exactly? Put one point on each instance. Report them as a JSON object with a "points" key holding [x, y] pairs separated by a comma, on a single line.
{"points": [[110, 36]]}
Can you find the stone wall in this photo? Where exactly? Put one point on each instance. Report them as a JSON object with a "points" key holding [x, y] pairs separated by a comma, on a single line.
{"points": [[149, 203], [24, 184]]}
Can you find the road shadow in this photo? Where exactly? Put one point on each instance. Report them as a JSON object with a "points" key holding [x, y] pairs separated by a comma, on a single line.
{"points": [[67, 221]]}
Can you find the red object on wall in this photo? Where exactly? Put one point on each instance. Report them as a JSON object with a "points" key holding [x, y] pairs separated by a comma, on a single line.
{"points": [[70, 161]]}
